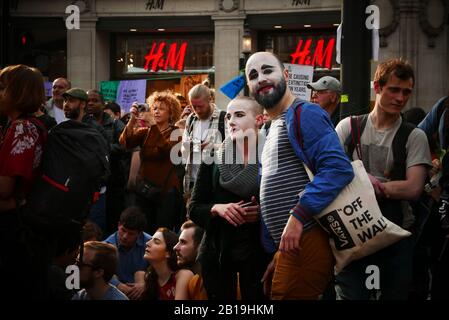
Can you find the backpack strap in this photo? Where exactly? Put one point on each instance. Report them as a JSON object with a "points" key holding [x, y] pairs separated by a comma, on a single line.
{"points": [[441, 107], [352, 142], [221, 124], [398, 172], [189, 124]]}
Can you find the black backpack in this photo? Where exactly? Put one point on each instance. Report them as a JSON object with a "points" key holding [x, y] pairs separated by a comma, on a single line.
{"points": [[75, 164], [391, 208]]}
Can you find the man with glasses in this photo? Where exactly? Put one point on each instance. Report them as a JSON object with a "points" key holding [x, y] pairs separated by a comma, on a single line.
{"points": [[98, 265], [326, 93]]}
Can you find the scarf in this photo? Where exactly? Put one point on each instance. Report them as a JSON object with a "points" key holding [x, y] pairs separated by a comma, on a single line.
{"points": [[236, 177]]}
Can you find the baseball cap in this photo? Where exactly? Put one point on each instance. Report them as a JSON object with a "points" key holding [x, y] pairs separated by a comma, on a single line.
{"points": [[76, 93], [325, 83]]}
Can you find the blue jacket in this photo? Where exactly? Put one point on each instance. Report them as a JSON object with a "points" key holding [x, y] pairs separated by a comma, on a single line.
{"points": [[431, 124], [316, 143]]}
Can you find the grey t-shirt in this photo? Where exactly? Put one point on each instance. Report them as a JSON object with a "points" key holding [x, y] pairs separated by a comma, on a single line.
{"points": [[377, 150]]}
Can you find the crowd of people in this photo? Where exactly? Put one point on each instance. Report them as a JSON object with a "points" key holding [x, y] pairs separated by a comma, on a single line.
{"points": [[203, 202]]}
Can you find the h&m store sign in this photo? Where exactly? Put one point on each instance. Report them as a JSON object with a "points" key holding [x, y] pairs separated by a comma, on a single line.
{"points": [[312, 52]]}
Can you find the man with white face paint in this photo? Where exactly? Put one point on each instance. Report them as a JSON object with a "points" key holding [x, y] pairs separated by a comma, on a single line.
{"points": [[300, 133]]}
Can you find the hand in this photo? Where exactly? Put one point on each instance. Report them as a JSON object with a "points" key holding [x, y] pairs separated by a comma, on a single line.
{"points": [[134, 113], [204, 144], [187, 110], [378, 186], [436, 167], [124, 288], [252, 212], [137, 290], [232, 212], [268, 278], [291, 235]]}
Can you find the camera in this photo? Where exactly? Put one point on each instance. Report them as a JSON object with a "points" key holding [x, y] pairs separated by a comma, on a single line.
{"points": [[143, 107]]}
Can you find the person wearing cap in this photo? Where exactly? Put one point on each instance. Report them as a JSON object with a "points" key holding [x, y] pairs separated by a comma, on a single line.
{"points": [[326, 93], [75, 103]]}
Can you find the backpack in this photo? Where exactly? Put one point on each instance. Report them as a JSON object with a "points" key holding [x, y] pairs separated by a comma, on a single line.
{"points": [[75, 164], [420, 208], [352, 142], [221, 126]]}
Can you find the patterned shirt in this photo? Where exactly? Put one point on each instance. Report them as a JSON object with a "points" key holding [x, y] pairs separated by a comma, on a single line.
{"points": [[283, 178], [21, 152], [210, 133]]}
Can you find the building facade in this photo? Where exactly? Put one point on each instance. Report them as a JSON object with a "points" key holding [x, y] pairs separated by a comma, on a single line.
{"points": [[177, 43]]}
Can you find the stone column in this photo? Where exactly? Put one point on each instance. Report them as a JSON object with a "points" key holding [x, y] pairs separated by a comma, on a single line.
{"points": [[81, 54], [227, 52], [409, 42]]}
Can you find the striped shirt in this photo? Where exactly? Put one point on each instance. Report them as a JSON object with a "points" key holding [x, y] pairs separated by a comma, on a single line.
{"points": [[283, 178]]}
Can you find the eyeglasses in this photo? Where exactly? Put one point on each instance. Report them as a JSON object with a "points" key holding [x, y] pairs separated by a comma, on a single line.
{"points": [[81, 264]]}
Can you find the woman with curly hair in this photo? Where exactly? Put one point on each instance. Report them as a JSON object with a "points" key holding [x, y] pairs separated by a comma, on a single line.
{"points": [[164, 280], [157, 185]]}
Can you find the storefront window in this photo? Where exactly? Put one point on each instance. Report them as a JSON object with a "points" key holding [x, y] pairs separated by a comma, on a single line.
{"points": [[149, 54], [315, 48]]}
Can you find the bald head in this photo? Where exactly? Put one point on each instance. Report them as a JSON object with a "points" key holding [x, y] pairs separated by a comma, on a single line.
{"points": [[251, 105]]}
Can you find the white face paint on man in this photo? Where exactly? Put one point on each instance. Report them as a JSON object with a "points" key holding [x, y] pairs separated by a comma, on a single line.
{"points": [[266, 79]]}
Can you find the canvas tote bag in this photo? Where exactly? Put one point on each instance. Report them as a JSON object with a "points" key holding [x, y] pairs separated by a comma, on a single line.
{"points": [[354, 221]]}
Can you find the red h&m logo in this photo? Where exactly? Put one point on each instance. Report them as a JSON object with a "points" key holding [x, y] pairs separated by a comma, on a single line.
{"points": [[174, 58], [320, 57]]}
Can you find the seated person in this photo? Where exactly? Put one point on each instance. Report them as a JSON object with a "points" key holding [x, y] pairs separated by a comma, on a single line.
{"points": [[97, 266], [164, 280], [186, 252], [130, 241]]}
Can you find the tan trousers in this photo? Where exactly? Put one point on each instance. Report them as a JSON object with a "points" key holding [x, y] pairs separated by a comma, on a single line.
{"points": [[305, 274]]}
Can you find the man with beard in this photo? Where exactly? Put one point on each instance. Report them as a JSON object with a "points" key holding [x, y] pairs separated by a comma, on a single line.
{"points": [[97, 267], [205, 130], [300, 133], [186, 253], [75, 103]]}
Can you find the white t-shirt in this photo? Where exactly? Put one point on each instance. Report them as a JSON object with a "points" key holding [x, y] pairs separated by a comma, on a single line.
{"points": [[59, 115]]}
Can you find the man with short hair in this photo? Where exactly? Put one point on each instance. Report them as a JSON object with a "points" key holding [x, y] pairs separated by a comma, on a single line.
{"points": [[204, 131], [186, 253], [394, 181], [97, 267], [300, 133], [187, 247], [113, 109], [54, 105], [75, 103], [130, 241], [326, 93]]}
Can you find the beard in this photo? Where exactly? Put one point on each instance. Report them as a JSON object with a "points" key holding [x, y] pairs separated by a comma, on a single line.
{"points": [[268, 101], [73, 113]]}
